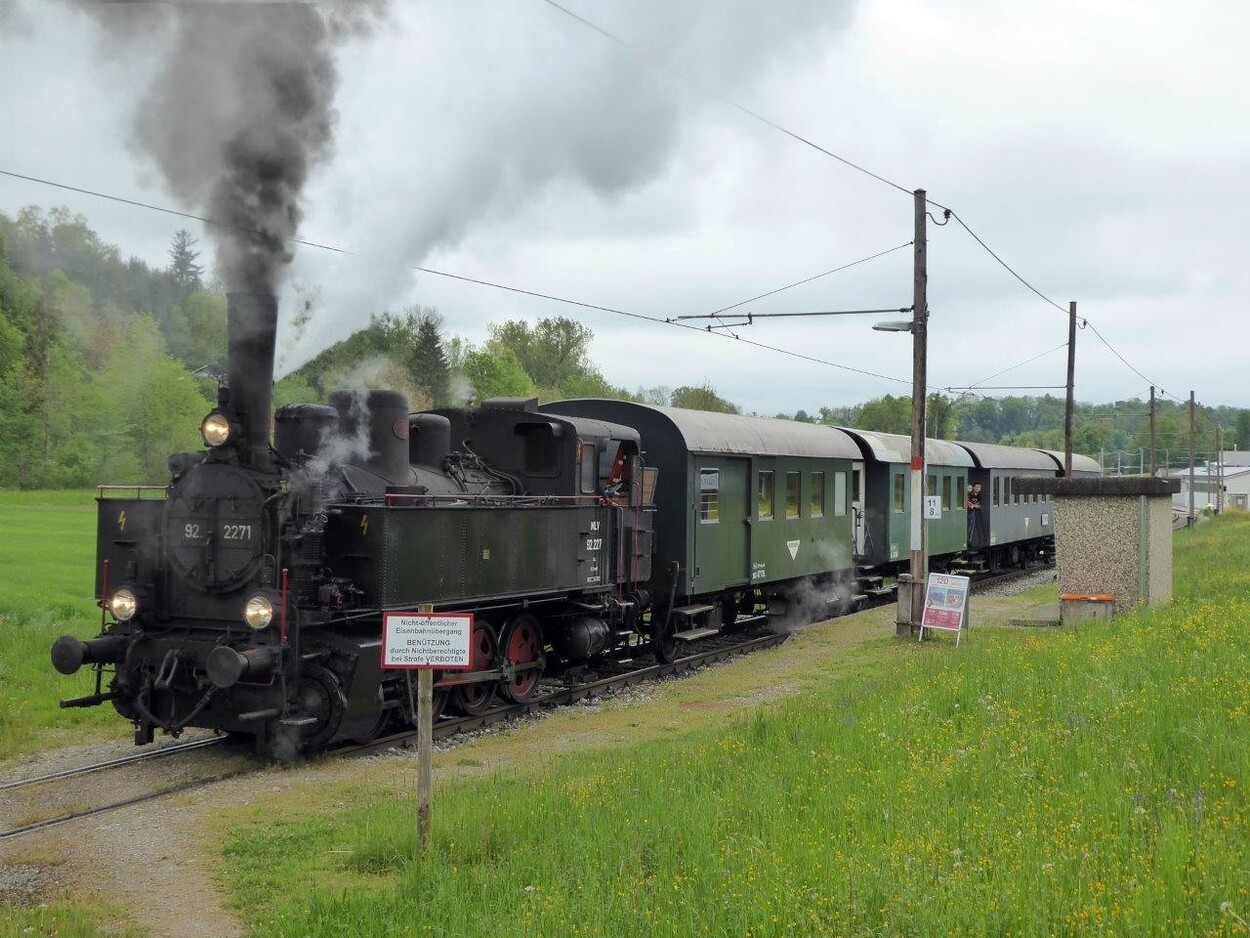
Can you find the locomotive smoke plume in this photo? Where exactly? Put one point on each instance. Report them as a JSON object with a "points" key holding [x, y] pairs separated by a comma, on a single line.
{"points": [[239, 112]]}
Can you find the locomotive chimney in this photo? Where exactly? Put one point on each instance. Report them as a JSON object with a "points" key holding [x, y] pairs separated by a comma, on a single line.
{"points": [[252, 327]]}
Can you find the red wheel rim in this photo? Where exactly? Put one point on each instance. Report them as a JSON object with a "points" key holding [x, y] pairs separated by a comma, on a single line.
{"points": [[475, 698], [523, 645]]}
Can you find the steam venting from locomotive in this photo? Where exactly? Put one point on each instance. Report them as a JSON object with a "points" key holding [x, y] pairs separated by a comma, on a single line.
{"points": [[237, 115]]}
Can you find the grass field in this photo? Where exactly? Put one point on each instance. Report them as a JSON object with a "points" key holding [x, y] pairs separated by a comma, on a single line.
{"points": [[1071, 781], [47, 580], [1075, 781]]}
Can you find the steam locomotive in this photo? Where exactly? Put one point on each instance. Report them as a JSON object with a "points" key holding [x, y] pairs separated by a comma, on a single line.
{"points": [[247, 595]]}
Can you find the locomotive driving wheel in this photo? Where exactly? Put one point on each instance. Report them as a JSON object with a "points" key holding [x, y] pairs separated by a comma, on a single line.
{"points": [[476, 698], [319, 697], [522, 645]]}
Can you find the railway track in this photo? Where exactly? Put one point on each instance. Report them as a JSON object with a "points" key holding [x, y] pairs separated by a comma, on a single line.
{"points": [[553, 694], [138, 757]]}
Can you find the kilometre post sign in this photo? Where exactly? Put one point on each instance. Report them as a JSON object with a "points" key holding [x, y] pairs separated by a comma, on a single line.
{"points": [[426, 640]]}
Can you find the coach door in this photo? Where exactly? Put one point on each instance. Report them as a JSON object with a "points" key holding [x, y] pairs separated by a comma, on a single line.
{"points": [[720, 532], [857, 508]]}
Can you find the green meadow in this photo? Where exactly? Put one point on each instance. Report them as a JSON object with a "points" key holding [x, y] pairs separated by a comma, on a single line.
{"points": [[1070, 781], [1073, 781], [47, 585]]}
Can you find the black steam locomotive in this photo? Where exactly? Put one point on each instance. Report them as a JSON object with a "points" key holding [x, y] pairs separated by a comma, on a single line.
{"points": [[247, 595]]}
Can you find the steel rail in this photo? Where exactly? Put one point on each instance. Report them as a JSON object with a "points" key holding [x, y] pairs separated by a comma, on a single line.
{"points": [[112, 763], [116, 805]]}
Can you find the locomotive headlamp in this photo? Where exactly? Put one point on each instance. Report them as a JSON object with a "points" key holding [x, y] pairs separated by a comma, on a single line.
{"points": [[258, 612], [123, 604], [215, 428]]}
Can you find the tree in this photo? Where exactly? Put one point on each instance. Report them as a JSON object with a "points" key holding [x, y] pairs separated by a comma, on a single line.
{"points": [[553, 352], [426, 359], [497, 375], [939, 417], [658, 396], [887, 414], [702, 398], [182, 261], [1243, 430]]}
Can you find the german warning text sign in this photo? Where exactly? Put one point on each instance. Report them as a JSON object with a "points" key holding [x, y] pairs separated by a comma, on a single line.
{"points": [[426, 640], [945, 603]]}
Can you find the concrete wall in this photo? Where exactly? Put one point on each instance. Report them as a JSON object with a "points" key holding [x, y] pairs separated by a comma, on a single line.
{"points": [[1114, 535], [1115, 544], [1158, 585]]}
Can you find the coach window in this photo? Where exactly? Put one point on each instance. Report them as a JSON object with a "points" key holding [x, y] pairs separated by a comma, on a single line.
{"points": [[816, 505], [960, 488], [931, 485], [767, 494], [839, 494], [1007, 494], [899, 488], [792, 494], [709, 496], [947, 505], [588, 475], [996, 489]]}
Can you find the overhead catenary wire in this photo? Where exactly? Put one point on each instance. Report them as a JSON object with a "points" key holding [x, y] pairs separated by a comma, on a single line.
{"points": [[712, 93], [466, 279], [724, 99], [799, 283], [999, 374], [1130, 367]]}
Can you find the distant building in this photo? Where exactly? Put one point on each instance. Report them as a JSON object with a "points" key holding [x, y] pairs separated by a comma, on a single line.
{"points": [[1236, 483]]}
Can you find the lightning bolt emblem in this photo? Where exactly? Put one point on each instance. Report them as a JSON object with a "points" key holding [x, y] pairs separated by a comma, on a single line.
{"points": [[364, 525], [121, 521]]}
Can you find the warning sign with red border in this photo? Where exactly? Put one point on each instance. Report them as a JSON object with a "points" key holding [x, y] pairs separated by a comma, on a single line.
{"points": [[426, 640]]}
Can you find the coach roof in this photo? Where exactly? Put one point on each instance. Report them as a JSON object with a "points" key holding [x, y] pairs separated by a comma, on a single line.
{"points": [[893, 447], [706, 432], [996, 456]]}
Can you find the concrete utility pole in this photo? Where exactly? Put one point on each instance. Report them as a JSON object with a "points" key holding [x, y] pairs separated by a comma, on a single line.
{"points": [[1153, 464], [1068, 406], [919, 381], [1190, 520]]}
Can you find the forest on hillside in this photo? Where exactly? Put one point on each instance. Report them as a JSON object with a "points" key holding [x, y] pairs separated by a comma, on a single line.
{"points": [[108, 364]]}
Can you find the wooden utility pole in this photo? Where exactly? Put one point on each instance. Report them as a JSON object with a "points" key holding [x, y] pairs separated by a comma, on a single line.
{"points": [[1219, 468], [425, 748], [1071, 401], [1152, 430], [1191, 458], [919, 381]]}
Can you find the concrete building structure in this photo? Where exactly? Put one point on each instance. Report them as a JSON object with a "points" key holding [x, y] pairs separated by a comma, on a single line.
{"points": [[1113, 537]]}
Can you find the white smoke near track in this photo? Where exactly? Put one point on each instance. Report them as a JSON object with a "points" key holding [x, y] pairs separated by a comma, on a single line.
{"points": [[504, 109], [816, 599]]}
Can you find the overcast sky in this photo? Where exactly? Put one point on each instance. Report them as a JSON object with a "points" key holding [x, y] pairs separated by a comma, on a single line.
{"points": [[1100, 149]]}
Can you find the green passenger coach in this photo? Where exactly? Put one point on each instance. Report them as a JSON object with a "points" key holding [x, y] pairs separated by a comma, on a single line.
{"points": [[883, 498], [749, 509]]}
